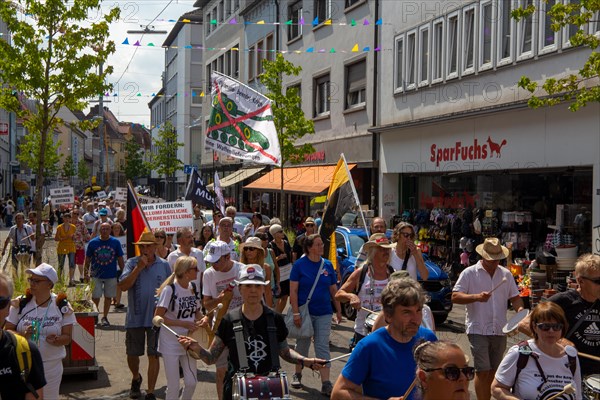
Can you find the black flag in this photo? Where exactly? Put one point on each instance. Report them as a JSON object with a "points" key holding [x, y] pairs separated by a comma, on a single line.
{"points": [[197, 191]]}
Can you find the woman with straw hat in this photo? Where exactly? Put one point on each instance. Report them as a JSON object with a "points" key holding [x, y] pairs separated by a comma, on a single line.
{"points": [[254, 253]]}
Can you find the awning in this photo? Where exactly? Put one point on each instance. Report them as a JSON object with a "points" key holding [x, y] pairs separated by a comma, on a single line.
{"points": [[299, 180], [237, 176]]}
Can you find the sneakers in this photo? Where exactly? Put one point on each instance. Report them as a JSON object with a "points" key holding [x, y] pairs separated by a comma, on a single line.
{"points": [[297, 381], [326, 388], [135, 391], [104, 322], [150, 396], [119, 306]]}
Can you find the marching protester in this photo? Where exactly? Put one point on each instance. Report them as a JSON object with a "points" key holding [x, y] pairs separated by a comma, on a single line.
{"points": [[103, 218], [407, 255], [313, 276], [119, 233], [256, 319], [81, 238], [179, 305], [377, 226], [283, 256], [253, 253], [206, 235], [309, 229], [33, 224], [486, 311], [238, 228], [382, 365], [141, 277], [185, 240], [46, 319], [226, 235], [20, 235], [162, 250], [13, 383], [552, 365], [65, 246], [217, 287], [198, 224], [251, 227], [270, 260], [90, 218]]}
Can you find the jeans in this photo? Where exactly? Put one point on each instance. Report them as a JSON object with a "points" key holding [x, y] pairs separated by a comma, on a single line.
{"points": [[322, 328], [61, 262]]}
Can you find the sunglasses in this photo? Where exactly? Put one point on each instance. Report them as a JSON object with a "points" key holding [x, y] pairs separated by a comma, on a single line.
{"points": [[250, 249], [36, 281], [406, 234], [593, 280], [4, 302], [309, 224], [546, 327], [453, 373]]}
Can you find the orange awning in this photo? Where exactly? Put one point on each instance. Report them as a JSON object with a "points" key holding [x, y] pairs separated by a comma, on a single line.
{"points": [[300, 180]]}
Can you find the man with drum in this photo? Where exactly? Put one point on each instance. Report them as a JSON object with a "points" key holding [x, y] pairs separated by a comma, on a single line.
{"points": [[486, 288], [261, 330]]}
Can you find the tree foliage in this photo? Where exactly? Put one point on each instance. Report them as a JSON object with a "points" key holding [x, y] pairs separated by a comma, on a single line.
{"points": [[135, 167], [83, 172], [580, 88], [51, 56], [165, 161], [68, 168]]}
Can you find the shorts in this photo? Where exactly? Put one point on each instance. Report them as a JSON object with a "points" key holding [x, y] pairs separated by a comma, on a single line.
{"points": [[135, 338], [108, 287], [285, 288], [79, 256], [487, 351]]}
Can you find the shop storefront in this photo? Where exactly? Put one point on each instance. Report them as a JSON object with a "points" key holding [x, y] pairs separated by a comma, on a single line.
{"points": [[520, 174]]}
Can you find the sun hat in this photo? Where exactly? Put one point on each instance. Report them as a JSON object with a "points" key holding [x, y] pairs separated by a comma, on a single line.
{"points": [[251, 274], [491, 250], [216, 250], [273, 229], [254, 242], [45, 270], [378, 240], [146, 238], [309, 220], [399, 275]]}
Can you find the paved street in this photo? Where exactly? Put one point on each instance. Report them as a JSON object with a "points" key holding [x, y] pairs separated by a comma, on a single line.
{"points": [[114, 377]]}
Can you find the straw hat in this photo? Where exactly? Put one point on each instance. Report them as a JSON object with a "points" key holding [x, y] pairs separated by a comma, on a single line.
{"points": [[378, 240], [146, 238], [254, 242], [491, 250]]}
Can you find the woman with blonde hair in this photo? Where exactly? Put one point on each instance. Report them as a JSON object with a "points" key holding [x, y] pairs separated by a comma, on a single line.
{"points": [[179, 306], [254, 253], [407, 256]]}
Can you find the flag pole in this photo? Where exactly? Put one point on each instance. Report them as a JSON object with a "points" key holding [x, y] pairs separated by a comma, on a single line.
{"points": [[362, 216]]}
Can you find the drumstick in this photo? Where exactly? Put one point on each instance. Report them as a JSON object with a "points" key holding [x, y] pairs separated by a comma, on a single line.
{"points": [[498, 285], [568, 389], [158, 321], [337, 358], [410, 388], [217, 308], [369, 311], [596, 358]]}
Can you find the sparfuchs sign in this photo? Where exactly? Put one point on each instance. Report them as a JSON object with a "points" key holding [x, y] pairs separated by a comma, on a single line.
{"points": [[467, 151]]}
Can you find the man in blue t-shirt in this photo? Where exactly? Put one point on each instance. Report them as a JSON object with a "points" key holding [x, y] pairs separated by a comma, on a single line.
{"points": [[382, 364], [103, 254], [141, 277]]}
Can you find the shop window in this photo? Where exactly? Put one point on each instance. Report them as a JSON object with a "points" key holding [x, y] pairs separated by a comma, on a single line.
{"points": [[452, 38], [486, 35], [525, 35], [437, 51], [322, 96], [411, 60], [356, 84], [295, 14], [570, 30], [424, 45], [468, 40], [548, 38], [506, 27], [399, 64], [322, 9]]}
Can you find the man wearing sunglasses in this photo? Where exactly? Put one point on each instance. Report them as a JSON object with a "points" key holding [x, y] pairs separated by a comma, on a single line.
{"points": [[12, 385], [310, 228], [185, 242]]}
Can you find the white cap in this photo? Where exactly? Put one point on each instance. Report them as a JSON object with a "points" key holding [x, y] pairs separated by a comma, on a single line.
{"points": [[45, 270], [216, 250], [251, 274]]}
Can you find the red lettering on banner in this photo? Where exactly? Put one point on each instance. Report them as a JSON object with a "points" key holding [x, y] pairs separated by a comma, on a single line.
{"points": [[464, 152]]}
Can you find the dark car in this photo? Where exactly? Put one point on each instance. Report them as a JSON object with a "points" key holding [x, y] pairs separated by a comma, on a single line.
{"points": [[438, 286]]}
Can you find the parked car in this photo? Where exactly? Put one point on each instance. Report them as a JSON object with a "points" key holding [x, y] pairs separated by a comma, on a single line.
{"points": [[438, 285]]}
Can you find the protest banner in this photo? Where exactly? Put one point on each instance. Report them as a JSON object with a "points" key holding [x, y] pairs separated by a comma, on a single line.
{"points": [[64, 195], [169, 216], [121, 194], [149, 200]]}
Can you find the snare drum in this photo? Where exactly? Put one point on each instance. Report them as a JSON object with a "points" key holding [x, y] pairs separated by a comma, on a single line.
{"points": [[250, 386], [370, 321], [591, 387]]}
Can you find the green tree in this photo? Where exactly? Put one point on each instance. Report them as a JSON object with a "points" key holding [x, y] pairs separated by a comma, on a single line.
{"points": [[165, 161], [290, 122], [51, 57], [68, 168], [573, 88], [83, 172], [135, 167]]}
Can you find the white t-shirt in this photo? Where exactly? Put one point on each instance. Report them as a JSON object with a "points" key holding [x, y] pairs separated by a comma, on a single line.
{"points": [[411, 266], [52, 321], [197, 254], [185, 305], [214, 282], [43, 232], [557, 372], [89, 219], [368, 301], [486, 318]]}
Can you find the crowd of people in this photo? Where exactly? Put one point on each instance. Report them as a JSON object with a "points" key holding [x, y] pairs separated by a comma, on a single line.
{"points": [[222, 289]]}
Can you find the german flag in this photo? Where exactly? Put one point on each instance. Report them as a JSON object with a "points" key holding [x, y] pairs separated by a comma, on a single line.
{"points": [[136, 222]]}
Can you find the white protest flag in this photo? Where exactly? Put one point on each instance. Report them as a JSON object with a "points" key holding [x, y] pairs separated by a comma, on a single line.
{"points": [[220, 203], [241, 123]]}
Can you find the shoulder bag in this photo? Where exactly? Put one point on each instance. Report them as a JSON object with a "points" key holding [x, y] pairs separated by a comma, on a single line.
{"points": [[306, 329]]}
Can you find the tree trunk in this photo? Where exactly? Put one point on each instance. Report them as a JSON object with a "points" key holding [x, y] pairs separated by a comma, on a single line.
{"points": [[39, 183]]}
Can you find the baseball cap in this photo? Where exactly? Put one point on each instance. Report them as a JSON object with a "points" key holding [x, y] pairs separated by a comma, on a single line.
{"points": [[103, 211], [251, 274], [216, 250], [45, 270]]}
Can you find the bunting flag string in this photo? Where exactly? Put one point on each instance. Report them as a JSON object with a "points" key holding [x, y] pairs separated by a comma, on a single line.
{"points": [[300, 22]]}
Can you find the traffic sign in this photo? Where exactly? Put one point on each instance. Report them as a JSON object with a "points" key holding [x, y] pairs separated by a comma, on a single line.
{"points": [[188, 168]]}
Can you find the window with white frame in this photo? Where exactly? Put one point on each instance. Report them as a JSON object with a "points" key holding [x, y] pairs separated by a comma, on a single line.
{"points": [[228, 10], [196, 96], [322, 10], [356, 84], [410, 78], [468, 40], [294, 15], [437, 51], [236, 5], [548, 38], [595, 23], [399, 61], [321, 95], [215, 16], [525, 35], [221, 10], [424, 44], [505, 32], [570, 30], [235, 66], [452, 38], [208, 25], [486, 35]]}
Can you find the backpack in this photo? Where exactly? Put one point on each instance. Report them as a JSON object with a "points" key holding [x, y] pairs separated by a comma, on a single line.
{"points": [[173, 296], [525, 352], [61, 302], [363, 275], [23, 356]]}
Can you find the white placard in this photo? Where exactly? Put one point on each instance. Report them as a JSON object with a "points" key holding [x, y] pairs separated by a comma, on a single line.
{"points": [[149, 200], [596, 240], [101, 194], [63, 195], [169, 216], [121, 194], [123, 240]]}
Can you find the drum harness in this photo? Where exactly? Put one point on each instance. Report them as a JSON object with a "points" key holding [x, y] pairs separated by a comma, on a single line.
{"points": [[241, 332]]}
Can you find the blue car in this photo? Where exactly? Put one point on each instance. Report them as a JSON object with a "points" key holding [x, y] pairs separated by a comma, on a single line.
{"points": [[438, 285]]}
